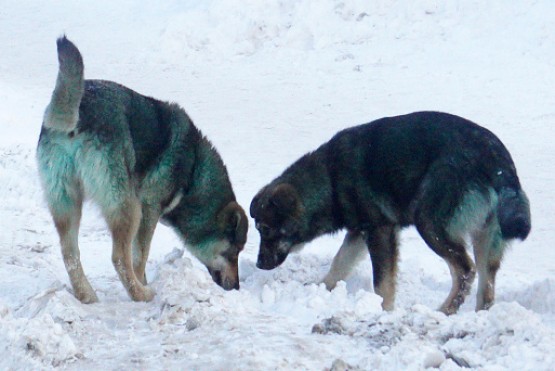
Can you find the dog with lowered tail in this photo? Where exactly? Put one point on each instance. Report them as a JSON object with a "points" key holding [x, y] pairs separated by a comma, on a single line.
{"points": [[451, 178]]}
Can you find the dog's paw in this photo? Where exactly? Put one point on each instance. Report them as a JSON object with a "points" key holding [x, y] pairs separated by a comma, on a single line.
{"points": [[87, 297], [146, 294], [330, 283], [143, 280]]}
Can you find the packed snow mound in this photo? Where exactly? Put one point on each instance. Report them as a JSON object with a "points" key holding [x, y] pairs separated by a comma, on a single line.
{"points": [[35, 342], [508, 334], [282, 307]]}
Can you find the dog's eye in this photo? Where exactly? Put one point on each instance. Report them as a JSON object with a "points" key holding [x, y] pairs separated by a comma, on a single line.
{"points": [[264, 229]]}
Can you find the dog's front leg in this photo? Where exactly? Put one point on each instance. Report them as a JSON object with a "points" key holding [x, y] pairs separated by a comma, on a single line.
{"points": [[384, 251], [124, 224], [352, 250]]}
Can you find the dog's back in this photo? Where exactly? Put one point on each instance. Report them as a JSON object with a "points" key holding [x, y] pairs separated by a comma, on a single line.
{"points": [[97, 131], [398, 158]]}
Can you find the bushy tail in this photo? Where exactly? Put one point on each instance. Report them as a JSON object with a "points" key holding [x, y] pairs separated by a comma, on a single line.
{"points": [[513, 213], [63, 111]]}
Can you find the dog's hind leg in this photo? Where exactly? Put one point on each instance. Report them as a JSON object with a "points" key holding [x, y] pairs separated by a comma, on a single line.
{"points": [[440, 200], [351, 251], [384, 252], [64, 195], [141, 243], [488, 252], [67, 225], [123, 222], [454, 253]]}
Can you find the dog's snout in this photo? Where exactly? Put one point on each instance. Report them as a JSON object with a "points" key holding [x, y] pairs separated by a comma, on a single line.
{"points": [[269, 260], [229, 284], [259, 264], [217, 277], [265, 264], [226, 280]]}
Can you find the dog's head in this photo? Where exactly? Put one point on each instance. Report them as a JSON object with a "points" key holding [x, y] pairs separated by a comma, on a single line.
{"points": [[220, 255], [278, 212], [215, 241]]}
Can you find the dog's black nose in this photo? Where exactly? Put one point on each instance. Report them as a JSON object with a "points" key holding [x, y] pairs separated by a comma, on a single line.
{"points": [[269, 257], [266, 263], [260, 265], [228, 285]]}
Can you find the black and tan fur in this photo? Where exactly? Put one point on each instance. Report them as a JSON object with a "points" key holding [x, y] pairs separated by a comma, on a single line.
{"points": [[452, 179]]}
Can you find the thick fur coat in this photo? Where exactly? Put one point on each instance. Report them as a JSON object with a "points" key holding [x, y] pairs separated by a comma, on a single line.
{"points": [[140, 160], [451, 178]]}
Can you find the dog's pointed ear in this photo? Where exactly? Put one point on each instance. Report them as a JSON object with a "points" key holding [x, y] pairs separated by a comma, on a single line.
{"points": [[285, 198], [234, 223]]}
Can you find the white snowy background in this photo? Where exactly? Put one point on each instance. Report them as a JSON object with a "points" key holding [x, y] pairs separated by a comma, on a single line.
{"points": [[267, 81]]}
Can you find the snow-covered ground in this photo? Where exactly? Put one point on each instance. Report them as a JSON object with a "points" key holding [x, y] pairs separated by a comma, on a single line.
{"points": [[267, 81]]}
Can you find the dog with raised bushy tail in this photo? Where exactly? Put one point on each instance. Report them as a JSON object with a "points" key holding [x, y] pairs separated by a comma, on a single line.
{"points": [[140, 160], [452, 179]]}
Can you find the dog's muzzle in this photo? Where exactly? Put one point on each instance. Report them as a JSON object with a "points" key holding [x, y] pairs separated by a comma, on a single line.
{"points": [[270, 258], [227, 283]]}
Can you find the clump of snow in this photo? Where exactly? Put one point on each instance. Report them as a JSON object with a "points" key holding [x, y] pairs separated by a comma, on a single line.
{"points": [[35, 342], [47, 340]]}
